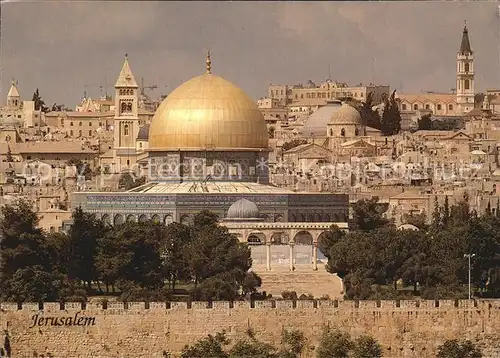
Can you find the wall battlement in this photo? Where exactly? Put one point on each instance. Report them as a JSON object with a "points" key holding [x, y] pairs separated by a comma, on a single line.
{"points": [[413, 328], [396, 305]]}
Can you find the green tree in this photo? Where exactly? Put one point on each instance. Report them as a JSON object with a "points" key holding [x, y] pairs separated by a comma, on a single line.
{"points": [[370, 117], [81, 168], [39, 103], [25, 262], [211, 346], [425, 122], [84, 234], [252, 349], [128, 182], [173, 252], [458, 349], [213, 253], [366, 347], [130, 255], [368, 215], [334, 343], [294, 341], [391, 118]]}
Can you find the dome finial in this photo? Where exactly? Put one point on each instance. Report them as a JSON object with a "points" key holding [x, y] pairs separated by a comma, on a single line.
{"points": [[126, 55], [208, 62]]}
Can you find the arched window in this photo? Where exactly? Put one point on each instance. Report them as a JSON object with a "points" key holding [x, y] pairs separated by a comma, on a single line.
{"points": [[124, 107], [415, 107], [90, 133], [466, 67], [342, 132], [403, 106], [71, 133], [80, 124], [80, 133], [129, 107], [439, 107], [125, 129], [450, 107], [466, 84], [356, 131], [427, 106], [331, 132]]}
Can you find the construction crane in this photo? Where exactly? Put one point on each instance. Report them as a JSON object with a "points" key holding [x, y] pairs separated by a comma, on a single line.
{"points": [[151, 87]]}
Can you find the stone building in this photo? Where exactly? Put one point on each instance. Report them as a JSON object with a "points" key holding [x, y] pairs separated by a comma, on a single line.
{"points": [[17, 112]]}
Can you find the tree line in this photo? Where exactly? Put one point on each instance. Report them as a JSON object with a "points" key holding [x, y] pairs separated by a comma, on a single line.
{"points": [[333, 342], [139, 260], [378, 261]]}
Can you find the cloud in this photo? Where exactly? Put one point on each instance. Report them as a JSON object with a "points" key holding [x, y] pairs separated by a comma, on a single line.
{"points": [[60, 47]]}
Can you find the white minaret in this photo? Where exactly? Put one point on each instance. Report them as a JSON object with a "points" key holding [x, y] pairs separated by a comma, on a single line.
{"points": [[465, 74], [126, 120]]}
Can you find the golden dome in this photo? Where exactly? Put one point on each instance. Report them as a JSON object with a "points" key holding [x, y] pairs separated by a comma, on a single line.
{"points": [[208, 112]]}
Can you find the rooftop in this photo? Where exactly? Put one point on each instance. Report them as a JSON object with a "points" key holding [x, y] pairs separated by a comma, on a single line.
{"points": [[209, 187]]}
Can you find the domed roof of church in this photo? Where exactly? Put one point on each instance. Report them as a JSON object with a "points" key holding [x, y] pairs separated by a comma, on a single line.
{"points": [[346, 115], [243, 209], [208, 112], [315, 125]]}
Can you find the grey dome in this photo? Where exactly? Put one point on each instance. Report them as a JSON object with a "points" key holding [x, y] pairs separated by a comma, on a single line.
{"points": [[346, 115], [243, 209], [317, 122]]}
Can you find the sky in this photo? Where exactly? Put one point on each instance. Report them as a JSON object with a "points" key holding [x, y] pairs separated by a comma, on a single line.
{"points": [[64, 48]]}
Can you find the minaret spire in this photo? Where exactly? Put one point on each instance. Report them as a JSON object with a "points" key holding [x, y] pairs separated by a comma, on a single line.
{"points": [[208, 62]]}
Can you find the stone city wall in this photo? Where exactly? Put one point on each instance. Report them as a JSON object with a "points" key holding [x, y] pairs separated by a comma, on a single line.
{"points": [[404, 328]]}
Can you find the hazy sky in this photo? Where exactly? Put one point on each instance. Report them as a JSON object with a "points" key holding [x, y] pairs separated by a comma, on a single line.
{"points": [[60, 47]]}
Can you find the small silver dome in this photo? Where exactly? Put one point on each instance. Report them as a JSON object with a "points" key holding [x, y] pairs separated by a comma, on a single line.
{"points": [[243, 209]]}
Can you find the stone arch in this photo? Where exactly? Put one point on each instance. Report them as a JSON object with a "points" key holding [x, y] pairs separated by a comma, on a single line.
{"points": [[256, 238], [303, 249], [131, 218], [156, 218], [303, 237], [168, 219], [279, 238], [106, 219], [118, 219], [143, 218]]}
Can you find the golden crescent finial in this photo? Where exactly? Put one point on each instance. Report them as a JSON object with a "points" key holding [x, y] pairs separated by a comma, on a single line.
{"points": [[208, 62]]}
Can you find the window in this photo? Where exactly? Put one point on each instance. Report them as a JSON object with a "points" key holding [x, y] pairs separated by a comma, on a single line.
{"points": [[342, 132], [80, 133], [71, 124], [90, 133], [427, 106], [466, 67], [439, 107], [356, 131], [90, 124], [282, 92], [403, 106], [302, 95], [140, 144], [129, 107], [466, 84], [123, 107], [128, 162], [80, 124], [415, 107], [125, 129], [450, 107], [71, 133], [8, 138], [28, 157], [100, 124], [18, 116]]}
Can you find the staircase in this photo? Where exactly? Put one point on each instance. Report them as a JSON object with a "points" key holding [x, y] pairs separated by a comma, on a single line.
{"points": [[303, 281]]}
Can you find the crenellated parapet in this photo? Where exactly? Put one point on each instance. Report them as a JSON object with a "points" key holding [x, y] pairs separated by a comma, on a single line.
{"points": [[343, 305]]}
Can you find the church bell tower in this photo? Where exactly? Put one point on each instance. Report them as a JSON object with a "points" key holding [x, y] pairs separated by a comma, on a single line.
{"points": [[126, 120], [465, 74]]}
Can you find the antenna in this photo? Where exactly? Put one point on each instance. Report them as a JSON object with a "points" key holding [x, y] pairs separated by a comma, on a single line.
{"points": [[329, 74]]}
